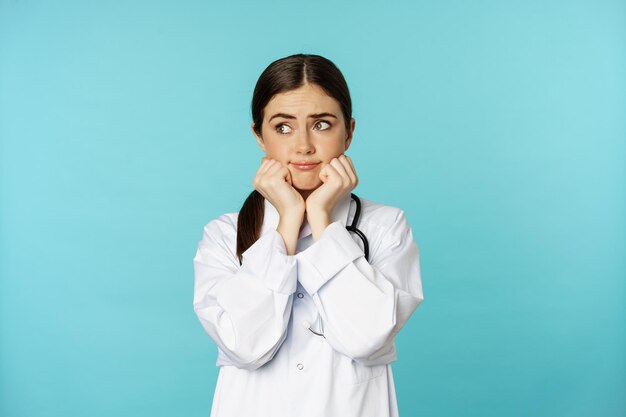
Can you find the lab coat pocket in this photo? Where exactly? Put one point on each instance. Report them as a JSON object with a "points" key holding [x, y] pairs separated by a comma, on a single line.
{"points": [[350, 372]]}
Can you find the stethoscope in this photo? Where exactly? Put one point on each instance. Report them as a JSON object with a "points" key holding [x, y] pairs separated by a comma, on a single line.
{"points": [[366, 250], [354, 229]]}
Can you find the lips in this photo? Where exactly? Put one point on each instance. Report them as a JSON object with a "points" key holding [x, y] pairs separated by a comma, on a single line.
{"points": [[305, 165]]}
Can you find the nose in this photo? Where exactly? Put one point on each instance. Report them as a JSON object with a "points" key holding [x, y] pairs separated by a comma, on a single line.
{"points": [[304, 145]]}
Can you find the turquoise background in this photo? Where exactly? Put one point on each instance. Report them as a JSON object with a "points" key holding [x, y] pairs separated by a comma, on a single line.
{"points": [[498, 126]]}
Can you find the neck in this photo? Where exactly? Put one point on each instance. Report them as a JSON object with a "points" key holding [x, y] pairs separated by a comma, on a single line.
{"points": [[305, 193]]}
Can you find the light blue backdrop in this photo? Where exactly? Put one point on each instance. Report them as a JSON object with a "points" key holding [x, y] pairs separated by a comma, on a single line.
{"points": [[497, 126]]}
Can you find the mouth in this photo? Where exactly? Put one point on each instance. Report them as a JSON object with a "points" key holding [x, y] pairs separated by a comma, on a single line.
{"points": [[305, 166]]}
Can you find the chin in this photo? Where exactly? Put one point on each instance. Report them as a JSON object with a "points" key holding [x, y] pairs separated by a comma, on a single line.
{"points": [[306, 185], [306, 181]]}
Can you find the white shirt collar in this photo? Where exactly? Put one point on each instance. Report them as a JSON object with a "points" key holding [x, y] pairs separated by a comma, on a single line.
{"points": [[340, 213]]}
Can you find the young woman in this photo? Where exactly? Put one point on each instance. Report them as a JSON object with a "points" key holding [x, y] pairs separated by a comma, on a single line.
{"points": [[305, 312]]}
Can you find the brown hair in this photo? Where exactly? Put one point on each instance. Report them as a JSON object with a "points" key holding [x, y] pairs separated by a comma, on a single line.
{"points": [[283, 75]]}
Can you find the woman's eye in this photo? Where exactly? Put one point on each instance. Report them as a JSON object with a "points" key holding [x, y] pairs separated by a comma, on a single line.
{"points": [[323, 121], [279, 128]]}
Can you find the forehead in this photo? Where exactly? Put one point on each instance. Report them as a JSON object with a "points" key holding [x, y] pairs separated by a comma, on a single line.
{"points": [[306, 99]]}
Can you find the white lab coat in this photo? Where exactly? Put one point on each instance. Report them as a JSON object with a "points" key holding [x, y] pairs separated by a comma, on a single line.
{"points": [[270, 363]]}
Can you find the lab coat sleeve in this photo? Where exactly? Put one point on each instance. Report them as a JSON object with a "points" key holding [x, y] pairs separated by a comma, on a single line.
{"points": [[362, 305], [244, 309]]}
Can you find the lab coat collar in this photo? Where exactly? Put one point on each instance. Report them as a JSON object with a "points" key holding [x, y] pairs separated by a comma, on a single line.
{"points": [[271, 218]]}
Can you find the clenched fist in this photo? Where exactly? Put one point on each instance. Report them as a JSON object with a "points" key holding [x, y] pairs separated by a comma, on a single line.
{"points": [[339, 179], [273, 181]]}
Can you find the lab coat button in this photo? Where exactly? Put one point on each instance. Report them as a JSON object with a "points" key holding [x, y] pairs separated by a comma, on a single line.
{"points": [[300, 295], [300, 366]]}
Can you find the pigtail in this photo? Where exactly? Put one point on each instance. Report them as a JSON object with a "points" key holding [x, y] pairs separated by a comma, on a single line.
{"points": [[249, 222]]}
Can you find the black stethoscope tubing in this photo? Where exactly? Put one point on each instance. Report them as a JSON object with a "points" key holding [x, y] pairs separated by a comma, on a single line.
{"points": [[353, 227]]}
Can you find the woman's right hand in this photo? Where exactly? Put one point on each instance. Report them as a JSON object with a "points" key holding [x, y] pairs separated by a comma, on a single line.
{"points": [[273, 181]]}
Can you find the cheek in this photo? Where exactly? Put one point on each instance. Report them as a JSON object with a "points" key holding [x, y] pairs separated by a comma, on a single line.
{"points": [[333, 150], [275, 152]]}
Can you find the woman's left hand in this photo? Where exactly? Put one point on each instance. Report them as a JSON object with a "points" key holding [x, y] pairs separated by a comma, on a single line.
{"points": [[339, 179]]}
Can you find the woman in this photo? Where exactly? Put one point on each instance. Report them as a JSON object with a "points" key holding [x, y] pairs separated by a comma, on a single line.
{"points": [[303, 313]]}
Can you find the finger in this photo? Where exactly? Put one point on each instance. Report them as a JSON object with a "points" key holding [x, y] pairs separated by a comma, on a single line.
{"points": [[277, 174], [264, 165], [324, 172], [260, 181], [274, 169], [286, 174], [350, 162], [327, 172], [348, 167], [265, 160], [341, 170], [259, 173], [353, 170], [271, 168]]}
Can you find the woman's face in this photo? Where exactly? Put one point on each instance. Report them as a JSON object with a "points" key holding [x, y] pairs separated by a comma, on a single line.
{"points": [[301, 129]]}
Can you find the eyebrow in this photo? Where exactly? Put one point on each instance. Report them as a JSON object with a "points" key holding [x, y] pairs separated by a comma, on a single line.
{"points": [[314, 115]]}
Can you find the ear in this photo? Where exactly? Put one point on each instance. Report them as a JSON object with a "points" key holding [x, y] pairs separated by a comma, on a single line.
{"points": [[350, 133], [259, 138]]}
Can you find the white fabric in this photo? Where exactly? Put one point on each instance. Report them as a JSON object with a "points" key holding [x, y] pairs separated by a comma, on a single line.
{"points": [[270, 364]]}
